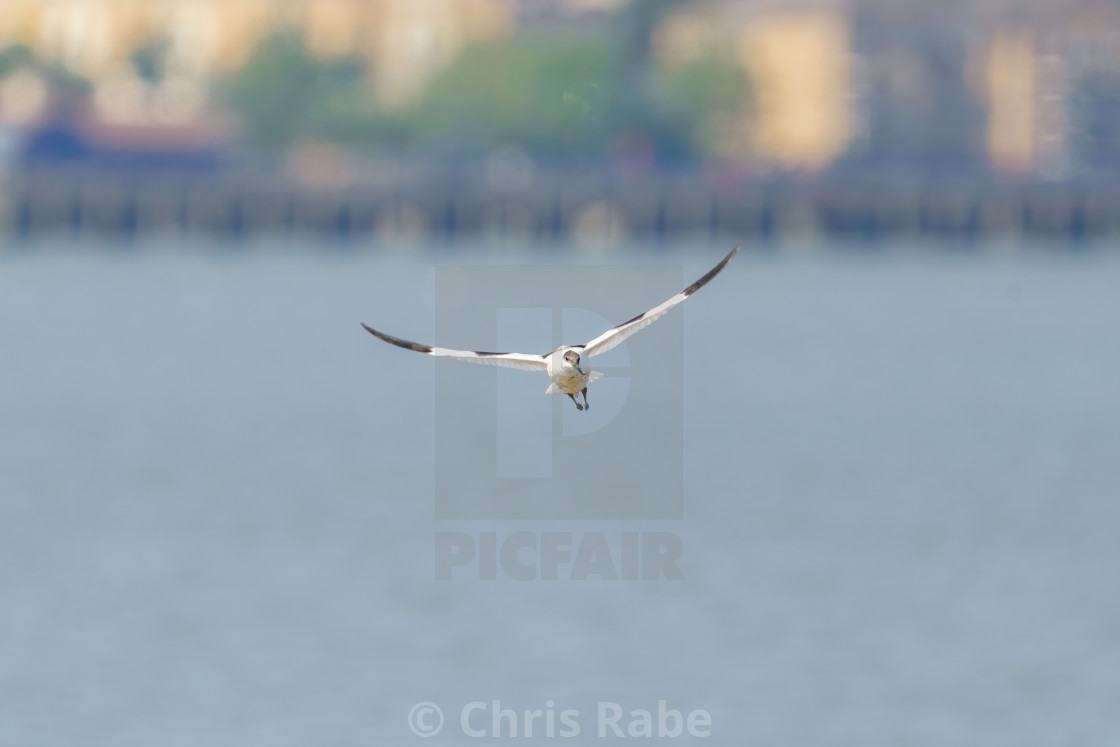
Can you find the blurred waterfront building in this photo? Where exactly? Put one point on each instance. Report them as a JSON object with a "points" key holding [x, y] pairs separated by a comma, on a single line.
{"points": [[405, 41], [1015, 87], [1011, 87], [797, 59]]}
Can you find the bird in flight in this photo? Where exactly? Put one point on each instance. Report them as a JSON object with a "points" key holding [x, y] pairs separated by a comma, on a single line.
{"points": [[567, 366]]}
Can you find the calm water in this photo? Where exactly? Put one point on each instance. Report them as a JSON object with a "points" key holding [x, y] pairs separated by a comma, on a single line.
{"points": [[902, 498]]}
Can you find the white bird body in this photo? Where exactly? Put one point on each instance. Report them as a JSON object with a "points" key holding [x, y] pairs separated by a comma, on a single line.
{"points": [[567, 375], [568, 367]]}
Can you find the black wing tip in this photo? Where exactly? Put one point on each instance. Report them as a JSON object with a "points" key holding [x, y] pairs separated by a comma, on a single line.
{"points": [[712, 272], [631, 321], [407, 345], [484, 354]]}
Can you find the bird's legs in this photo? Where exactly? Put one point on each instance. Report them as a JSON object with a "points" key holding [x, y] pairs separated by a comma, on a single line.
{"points": [[585, 405], [578, 405]]}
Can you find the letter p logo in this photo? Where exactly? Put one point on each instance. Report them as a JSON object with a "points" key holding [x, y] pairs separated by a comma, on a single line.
{"points": [[505, 450]]}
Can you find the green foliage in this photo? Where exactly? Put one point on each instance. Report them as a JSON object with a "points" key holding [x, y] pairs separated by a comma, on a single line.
{"points": [[557, 95], [567, 97], [283, 94], [13, 58], [707, 91], [149, 60], [66, 83], [540, 94], [638, 113]]}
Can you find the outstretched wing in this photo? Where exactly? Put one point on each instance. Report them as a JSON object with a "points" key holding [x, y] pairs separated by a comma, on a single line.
{"points": [[616, 335], [512, 360]]}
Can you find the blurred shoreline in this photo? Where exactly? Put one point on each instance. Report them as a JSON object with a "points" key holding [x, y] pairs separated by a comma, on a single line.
{"points": [[557, 120], [420, 200]]}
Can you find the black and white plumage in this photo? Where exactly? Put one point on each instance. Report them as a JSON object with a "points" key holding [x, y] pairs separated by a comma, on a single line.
{"points": [[567, 366]]}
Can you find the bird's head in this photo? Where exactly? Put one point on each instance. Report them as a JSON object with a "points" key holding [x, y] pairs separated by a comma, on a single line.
{"points": [[572, 359]]}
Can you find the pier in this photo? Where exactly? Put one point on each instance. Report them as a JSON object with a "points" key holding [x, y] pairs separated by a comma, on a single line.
{"points": [[557, 207]]}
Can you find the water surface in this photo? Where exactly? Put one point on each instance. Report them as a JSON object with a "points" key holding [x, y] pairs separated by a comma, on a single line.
{"points": [[216, 507]]}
